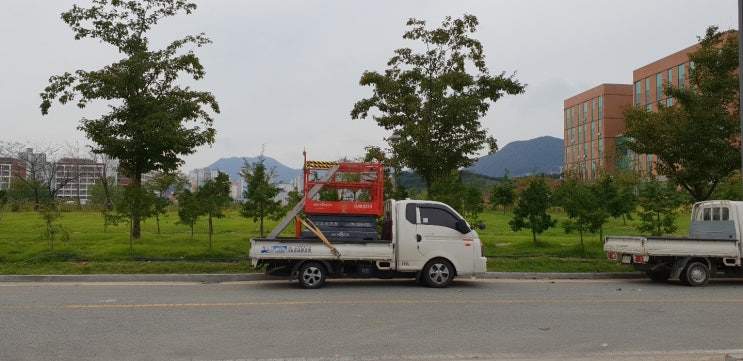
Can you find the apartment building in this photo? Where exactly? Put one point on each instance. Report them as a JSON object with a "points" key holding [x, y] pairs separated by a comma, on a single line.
{"points": [[75, 177], [10, 168]]}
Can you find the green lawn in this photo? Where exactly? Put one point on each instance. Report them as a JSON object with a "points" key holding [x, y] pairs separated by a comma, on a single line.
{"points": [[92, 248]]}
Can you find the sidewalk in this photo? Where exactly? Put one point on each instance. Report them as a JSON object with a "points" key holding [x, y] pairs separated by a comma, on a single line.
{"points": [[241, 277]]}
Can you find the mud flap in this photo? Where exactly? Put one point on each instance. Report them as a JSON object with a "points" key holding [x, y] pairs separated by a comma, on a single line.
{"points": [[678, 267]]}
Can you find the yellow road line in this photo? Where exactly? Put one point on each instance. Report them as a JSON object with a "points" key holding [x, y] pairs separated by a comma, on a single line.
{"points": [[367, 302]]}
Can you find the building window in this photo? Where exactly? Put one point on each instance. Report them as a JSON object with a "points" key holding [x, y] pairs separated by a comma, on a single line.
{"points": [[669, 102], [593, 129], [637, 94], [681, 77], [593, 109], [670, 76], [601, 107], [647, 90], [658, 87]]}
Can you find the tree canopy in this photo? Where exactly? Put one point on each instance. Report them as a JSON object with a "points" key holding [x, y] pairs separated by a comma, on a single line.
{"points": [[432, 103], [260, 202], [531, 207], [153, 120], [697, 138]]}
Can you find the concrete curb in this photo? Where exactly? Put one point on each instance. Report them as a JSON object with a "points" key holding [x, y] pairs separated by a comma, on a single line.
{"points": [[241, 277]]}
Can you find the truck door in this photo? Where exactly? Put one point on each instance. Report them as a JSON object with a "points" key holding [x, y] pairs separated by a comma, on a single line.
{"points": [[437, 233]]}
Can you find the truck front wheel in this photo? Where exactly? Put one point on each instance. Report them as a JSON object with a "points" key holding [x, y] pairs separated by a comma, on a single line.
{"points": [[438, 273], [696, 274], [311, 275]]}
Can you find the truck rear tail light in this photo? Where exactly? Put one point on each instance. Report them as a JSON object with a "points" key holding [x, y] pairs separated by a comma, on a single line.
{"points": [[640, 259], [611, 255]]}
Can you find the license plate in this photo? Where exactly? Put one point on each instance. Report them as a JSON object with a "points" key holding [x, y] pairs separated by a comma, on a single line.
{"points": [[626, 258]]}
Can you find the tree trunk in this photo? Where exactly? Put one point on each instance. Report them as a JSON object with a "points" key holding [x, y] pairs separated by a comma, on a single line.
{"points": [[210, 232], [136, 219]]}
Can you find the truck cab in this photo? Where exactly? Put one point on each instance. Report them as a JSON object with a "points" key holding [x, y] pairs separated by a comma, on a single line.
{"points": [[429, 230]]}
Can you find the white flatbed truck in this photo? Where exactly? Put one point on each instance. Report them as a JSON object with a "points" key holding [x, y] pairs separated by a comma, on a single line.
{"points": [[712, 249], [424, 240]]}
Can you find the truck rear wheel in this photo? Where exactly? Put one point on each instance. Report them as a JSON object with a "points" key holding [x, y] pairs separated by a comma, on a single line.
{"points": [[696, 274], [438, 273], [311, 275]]}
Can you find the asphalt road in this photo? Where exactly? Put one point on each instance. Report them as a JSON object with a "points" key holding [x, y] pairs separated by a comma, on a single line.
{"points": [[492, 319]]}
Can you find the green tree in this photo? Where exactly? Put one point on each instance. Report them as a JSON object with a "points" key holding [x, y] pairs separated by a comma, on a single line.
{"points": [[504, 193], [658, 202], [106, 194], [466, 199], [3, 202], [50, 214], [431, 102], [161, 184], [20, 193], [189, 209], [473, 203], [101, 194], [531, 207], [293, 197], [136, 203], [697, 139], [613, 200], [731, 188], [153, 120], [260, 202], [213, 198], [584, 207], [392, 188]]}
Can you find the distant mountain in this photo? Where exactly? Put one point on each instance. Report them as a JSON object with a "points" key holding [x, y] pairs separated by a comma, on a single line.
{"points": [[522, 158], [233, 165]]}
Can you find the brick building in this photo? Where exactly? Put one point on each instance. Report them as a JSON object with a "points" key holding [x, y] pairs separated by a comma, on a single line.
{"points": [[592, 122]]}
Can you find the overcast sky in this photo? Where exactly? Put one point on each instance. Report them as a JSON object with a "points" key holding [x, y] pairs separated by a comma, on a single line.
{"points": [[286, 72]]}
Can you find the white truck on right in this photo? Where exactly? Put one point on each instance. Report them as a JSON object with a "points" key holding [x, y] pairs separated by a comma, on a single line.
{"points": [[712, 249]]}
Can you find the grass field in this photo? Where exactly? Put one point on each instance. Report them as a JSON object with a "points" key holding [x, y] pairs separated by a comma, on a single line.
{"points": [[92, 248]]}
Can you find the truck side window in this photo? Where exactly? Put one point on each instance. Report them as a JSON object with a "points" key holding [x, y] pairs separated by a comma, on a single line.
{"points": [[707, 216], [725, 213], [410, 213], [438, 217], [715, 214]]}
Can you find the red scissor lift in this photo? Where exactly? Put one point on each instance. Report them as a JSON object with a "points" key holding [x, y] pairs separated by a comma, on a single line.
{"points": [[359, 187], [358, 199]]}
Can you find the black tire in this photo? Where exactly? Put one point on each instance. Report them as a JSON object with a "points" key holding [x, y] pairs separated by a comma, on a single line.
{"points": [[696, 274], [438, 273], [312, 275], [659, 276]]}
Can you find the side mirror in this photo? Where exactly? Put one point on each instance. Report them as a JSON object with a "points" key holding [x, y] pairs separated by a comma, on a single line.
{"points": [[481, 225]]}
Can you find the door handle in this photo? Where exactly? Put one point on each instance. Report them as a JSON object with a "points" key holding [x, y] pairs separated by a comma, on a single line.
{"points": [[418, 238]]}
